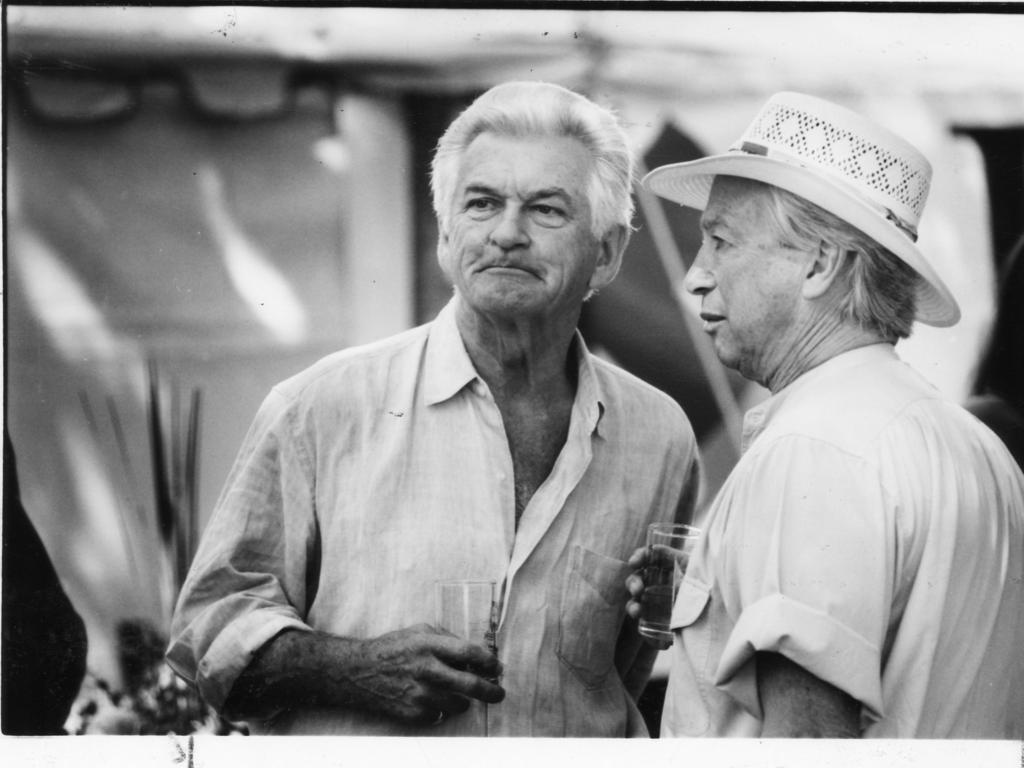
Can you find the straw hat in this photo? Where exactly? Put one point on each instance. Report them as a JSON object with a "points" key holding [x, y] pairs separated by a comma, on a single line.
{"points": [[839, 160]]}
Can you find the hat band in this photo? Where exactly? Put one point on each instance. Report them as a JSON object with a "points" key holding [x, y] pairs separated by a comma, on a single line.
{"points": [[755, 148]]}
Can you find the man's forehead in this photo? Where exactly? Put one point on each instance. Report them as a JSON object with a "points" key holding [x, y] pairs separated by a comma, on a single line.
{"points": [[541, 165], [737, 186], [471, 187], [730, 194]]}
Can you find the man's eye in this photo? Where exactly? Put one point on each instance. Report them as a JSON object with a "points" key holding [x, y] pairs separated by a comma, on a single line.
{"points": [[481, 207], [548, 214]]}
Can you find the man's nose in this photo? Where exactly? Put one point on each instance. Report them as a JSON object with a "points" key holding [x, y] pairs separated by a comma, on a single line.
{"points": [[510, 229], [698, 280]]}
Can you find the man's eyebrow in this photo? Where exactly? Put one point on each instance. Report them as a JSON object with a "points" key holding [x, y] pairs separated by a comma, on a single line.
{"points": [[479, 189], [549, 192], [710, 222], [538, 194]]}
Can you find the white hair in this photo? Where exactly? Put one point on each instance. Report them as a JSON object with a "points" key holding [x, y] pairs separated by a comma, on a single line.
{"points": [[526, 109], [881, 288]]}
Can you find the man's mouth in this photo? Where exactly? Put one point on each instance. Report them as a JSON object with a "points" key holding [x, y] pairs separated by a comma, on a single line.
{"points": [[510, 269], [711, 319]]}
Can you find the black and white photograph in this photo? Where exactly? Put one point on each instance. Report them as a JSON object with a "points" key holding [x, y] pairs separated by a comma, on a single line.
{"points": [[556, 373]]}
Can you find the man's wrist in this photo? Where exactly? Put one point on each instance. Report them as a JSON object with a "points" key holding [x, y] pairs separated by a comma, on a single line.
{"points": [[294, 669]]}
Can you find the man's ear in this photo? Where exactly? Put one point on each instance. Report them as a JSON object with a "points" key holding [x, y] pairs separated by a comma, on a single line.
{"points": [[823, 270], [609, 259], [444, 253]]}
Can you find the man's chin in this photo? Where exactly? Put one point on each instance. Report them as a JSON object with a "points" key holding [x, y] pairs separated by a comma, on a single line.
{"points": [[507, 303], [725, 355]]}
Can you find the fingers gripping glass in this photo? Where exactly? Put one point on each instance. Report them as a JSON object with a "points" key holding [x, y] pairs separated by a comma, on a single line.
{"points": [[469, 609], [668, 553]]}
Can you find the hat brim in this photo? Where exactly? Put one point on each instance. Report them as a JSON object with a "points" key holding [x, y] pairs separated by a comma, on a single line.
{"points": [[689, 184]]}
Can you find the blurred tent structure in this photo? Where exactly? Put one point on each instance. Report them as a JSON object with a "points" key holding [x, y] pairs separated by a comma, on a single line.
{"points": [[232, 192]]}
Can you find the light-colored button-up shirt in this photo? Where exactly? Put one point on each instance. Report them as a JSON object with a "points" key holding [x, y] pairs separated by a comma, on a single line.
{"points": [[873, 533], [384, 468]]}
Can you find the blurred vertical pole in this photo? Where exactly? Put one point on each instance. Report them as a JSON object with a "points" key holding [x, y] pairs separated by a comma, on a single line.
{"points": [[672, 262], [377, 216]]}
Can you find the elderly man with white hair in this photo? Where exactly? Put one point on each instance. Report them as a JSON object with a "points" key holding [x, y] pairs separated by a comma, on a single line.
{"points": [[488, 445], [861, 572]]}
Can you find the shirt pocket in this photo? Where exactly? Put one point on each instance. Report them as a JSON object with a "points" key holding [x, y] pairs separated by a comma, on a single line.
{"points": [[593, 606]]}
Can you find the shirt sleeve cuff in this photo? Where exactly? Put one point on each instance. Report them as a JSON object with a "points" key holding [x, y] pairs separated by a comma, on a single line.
{"points": [[806, 636], [233, 650]]}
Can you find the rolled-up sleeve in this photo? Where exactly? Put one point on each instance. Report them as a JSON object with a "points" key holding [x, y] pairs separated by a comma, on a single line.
{"points": [[249, 578], [811, 572]]}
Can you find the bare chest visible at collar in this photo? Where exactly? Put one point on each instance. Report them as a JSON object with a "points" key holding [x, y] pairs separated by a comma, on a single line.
{"points": [[536, 432]]}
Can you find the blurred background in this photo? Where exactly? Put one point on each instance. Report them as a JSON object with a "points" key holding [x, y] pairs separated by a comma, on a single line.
{"points": [[200, 201]]}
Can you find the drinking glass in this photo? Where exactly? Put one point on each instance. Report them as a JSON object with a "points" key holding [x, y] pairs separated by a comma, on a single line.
{"points": [[469, 609], [668, 553]]}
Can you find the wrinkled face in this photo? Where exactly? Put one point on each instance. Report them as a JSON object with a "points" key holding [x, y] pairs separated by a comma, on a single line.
{"points": [[749, 284], [520, 242]]}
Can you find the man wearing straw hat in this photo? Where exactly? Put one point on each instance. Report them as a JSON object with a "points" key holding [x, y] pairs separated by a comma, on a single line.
{"points": [[862, 568], [487, 445]]}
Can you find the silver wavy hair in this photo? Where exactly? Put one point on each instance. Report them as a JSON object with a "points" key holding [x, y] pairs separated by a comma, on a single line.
{"points": [[882, 288], [524, 109]]}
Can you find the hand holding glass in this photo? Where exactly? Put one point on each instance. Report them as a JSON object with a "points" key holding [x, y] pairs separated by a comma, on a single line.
{"points": [[468, 609], [668, 553]]}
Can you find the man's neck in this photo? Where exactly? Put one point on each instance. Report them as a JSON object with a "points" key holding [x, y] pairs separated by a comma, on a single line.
{"points": [[528, 370], [519, 358], [826, 339]]}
